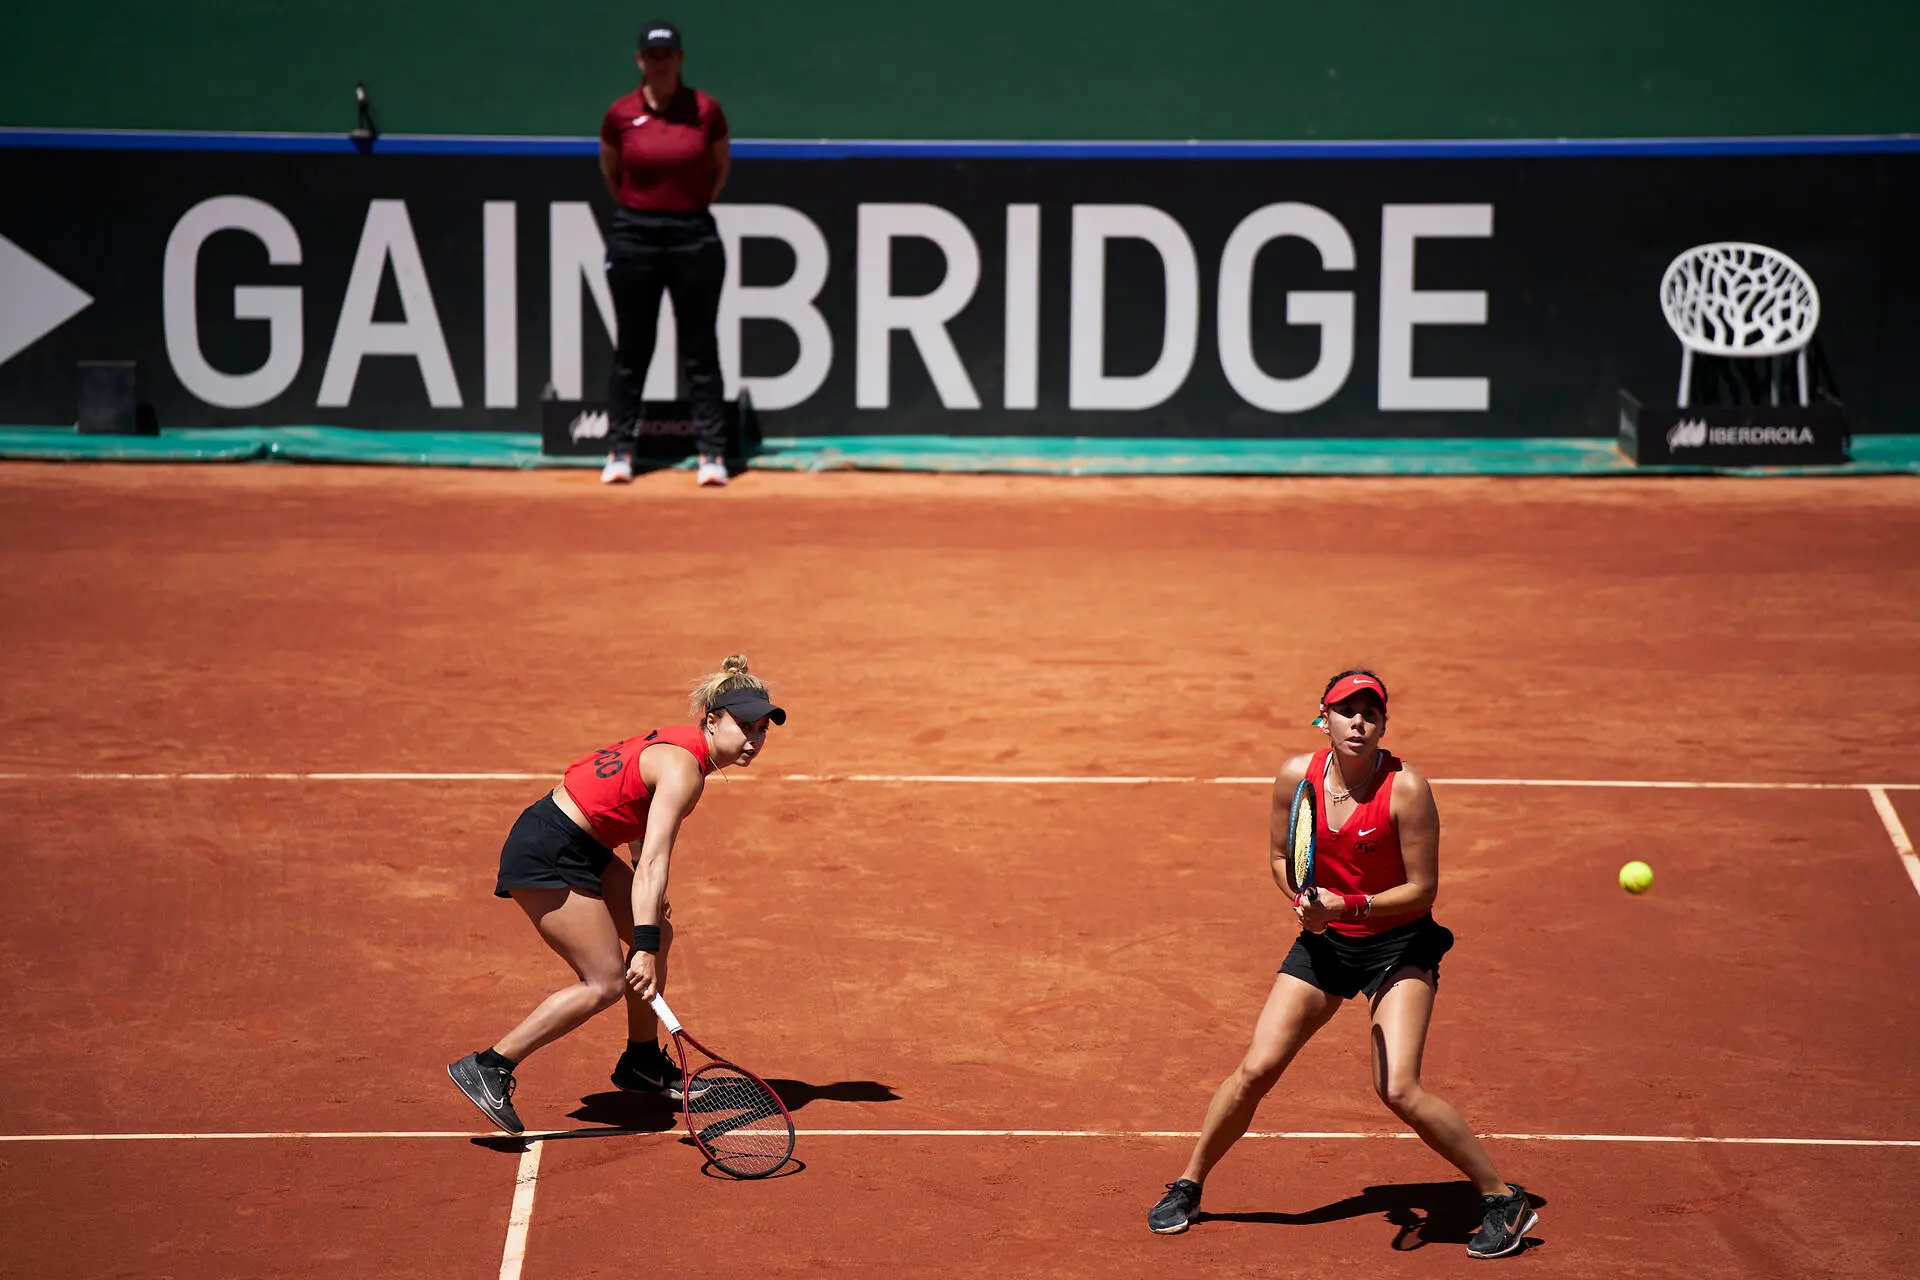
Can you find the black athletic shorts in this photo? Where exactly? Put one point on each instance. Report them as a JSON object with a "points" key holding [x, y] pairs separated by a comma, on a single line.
{"points": [[1347, 967], [545, 850]]}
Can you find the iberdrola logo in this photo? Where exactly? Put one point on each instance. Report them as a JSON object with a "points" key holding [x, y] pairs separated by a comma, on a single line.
{"points": [[1688, 433], [589, 426]]}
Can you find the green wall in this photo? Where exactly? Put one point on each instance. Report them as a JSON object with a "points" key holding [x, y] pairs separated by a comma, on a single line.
{"points": [[1095, 69]]}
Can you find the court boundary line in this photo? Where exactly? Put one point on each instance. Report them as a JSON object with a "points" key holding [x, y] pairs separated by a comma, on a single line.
{"points": [[529, 1159], [1897, 832], [520, 1218], [958, 779]]}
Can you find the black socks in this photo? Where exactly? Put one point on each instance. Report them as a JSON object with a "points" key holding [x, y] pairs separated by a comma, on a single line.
{"points": [[488, 1058]]}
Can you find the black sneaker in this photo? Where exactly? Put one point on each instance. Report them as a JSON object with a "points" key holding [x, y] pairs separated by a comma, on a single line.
{"points": [[1179, 1207], [1508, 1220], [489, 1088], [652, 1073]]}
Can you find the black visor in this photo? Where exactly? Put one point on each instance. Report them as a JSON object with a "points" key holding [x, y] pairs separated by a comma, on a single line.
{"points": [[747, 705]]}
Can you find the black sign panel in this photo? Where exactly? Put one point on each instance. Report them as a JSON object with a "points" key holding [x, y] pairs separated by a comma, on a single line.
{"points": [[993, 294], [664, 432], [1733, 435]]}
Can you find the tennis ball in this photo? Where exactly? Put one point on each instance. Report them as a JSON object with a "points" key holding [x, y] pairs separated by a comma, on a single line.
{"points": [[1636, 877]]}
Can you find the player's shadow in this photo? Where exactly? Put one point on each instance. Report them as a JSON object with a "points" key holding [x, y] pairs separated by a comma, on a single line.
{"points": [[618, 1109], [651, 1112], [798, 1093], [1424, 1212]]}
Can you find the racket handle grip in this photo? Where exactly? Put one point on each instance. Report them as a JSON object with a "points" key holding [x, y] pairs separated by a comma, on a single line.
{"points": [[662, 1012]]}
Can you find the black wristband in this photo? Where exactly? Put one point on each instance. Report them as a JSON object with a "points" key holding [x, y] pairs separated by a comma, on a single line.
{"points": [[646, 937]]}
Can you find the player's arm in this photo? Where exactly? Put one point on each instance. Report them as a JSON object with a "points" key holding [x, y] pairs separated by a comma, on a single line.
{"points": [[673, 778], [1291, 774], [674, 782], [1417, 820]]}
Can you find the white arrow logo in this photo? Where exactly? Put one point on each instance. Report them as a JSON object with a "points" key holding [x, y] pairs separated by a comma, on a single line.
{"points": [[34, 300]]}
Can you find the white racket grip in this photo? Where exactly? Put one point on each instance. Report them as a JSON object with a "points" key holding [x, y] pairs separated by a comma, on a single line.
{"points": [[662, 1012]]}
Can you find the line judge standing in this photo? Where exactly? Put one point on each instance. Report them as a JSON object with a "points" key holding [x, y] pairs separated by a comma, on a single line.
{"points": [[664, 155]]}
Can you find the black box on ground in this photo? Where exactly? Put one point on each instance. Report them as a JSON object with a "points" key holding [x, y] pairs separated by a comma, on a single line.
{"points": [[1749, 435], [107, 395], [578, 428]]}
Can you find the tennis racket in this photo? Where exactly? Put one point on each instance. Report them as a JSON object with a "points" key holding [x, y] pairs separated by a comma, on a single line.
{"points": [[736, 1120], [1302, 826]]}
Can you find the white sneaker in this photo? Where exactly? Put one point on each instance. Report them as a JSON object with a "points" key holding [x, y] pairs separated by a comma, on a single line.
{"points": [[712, 472], [617, 471]]}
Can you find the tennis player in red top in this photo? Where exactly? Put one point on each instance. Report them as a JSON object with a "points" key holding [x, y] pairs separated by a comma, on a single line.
{"points": [[558, 864], [1368, 929]]}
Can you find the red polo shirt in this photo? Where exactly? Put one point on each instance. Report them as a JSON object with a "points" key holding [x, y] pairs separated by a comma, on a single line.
{"points": [[666, 157]]}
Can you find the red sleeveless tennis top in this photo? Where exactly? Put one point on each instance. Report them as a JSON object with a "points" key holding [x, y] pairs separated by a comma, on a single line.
{"points": [[1363, 856], [608, 788]]}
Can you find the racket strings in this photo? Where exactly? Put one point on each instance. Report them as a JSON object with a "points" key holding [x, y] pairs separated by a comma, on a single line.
{"points": [[1302, 852], [738, 1121]]}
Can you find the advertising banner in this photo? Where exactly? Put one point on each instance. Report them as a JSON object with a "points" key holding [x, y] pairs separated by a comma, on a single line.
{"points": [[997, 290]]}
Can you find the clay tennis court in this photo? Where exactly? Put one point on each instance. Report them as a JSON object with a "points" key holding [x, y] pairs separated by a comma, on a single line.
{"points": [[993, 911]]}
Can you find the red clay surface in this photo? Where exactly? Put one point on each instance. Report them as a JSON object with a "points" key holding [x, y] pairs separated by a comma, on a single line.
{"points": [[201, 956], [210, 1210], [1054, 1207]]}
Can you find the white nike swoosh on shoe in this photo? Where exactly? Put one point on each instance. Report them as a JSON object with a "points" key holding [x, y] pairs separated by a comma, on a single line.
{"points": [[498, 1102]]}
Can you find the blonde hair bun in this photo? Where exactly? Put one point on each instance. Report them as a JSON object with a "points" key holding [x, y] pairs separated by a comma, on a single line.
{"points": [[732, 675]]}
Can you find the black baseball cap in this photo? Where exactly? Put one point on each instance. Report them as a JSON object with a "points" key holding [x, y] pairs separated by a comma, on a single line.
{"points": [[747, 705], [659, 34]]}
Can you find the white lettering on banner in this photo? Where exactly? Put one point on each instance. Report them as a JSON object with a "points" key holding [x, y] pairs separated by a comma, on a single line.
{"points": [[1089, 386], [500, 314], [1762, 435], [278, 305], [1022, 336], [1331, 310], [387, 237], [1693, 433], [791, 302], [576, 252], [1402, 306], [924, 316]]}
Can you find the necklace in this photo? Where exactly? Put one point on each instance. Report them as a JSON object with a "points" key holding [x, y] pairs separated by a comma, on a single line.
{"points": [[1333, 793]]}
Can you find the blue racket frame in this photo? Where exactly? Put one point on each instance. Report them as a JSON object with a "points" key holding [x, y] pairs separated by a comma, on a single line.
{"points": [[1302, 802]]}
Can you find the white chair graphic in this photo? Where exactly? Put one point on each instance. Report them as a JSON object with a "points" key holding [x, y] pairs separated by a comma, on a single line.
{"points": [[1741, 300]]}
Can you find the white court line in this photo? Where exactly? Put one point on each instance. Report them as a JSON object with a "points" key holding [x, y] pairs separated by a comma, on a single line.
{"points": [[1307, 1135], [535, 1140], [1902, 845], [968, 779], [1071, 780], [521, 1217], [274, 777], [247, 1136]]}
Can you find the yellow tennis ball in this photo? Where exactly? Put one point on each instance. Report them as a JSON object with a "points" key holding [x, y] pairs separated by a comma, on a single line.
{"points": [[1636, 877]]}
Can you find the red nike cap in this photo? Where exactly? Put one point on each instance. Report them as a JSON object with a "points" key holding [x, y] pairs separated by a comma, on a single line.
{"points": [[1347, 686]]}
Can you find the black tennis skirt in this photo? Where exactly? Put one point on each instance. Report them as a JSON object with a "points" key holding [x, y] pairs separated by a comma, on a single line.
{"points": [[1347, 967], [545, 850]]}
